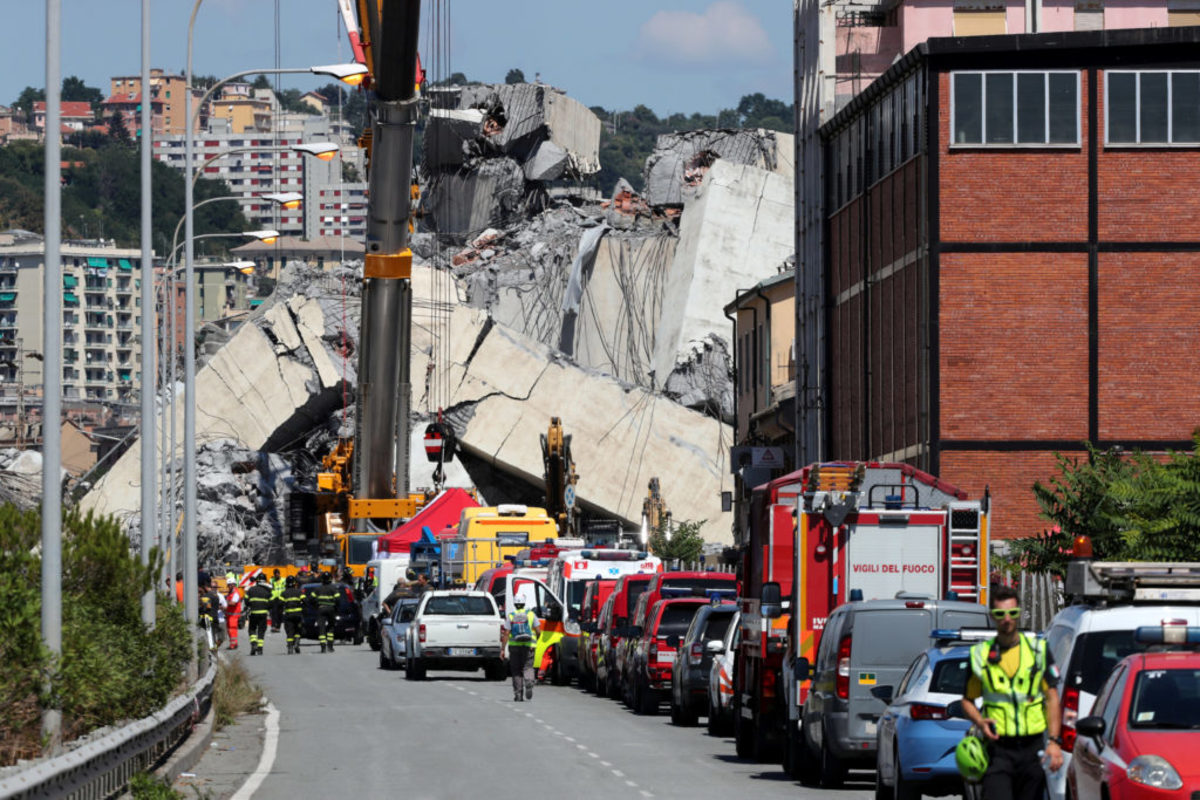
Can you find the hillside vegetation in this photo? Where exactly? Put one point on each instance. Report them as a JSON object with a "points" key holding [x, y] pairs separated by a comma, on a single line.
{"points": [[101, 195]]}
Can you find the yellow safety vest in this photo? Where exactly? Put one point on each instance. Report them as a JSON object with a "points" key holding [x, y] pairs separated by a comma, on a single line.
{"points": [[1017, 704]]}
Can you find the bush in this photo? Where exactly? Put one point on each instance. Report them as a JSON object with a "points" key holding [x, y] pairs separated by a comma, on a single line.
{"points": [[112, 667]]}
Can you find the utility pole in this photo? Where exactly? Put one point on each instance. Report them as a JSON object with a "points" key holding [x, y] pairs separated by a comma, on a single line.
{"points": [[149, 534], [52, 382]]}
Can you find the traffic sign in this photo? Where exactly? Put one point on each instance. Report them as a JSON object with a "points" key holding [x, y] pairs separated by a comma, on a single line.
{"points": [[569, 496]]}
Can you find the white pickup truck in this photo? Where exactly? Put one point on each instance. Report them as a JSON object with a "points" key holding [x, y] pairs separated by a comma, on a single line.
{"points": [[454, 629]]}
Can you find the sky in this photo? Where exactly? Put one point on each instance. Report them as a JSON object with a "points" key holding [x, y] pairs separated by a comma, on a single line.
{"points": [[670, 55]]}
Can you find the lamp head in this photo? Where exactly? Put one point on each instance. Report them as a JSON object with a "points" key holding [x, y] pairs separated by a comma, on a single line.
{"points": [[351, 74]]}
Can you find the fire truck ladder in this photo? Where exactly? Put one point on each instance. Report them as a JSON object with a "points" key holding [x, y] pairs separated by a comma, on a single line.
{"points": [[968, 556]]}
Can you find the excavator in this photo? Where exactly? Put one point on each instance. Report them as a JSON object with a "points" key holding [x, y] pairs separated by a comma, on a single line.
{"points": [[560, 478]]}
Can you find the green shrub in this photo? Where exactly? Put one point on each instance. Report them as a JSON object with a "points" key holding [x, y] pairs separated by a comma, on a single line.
{"points": [[112, 667]]}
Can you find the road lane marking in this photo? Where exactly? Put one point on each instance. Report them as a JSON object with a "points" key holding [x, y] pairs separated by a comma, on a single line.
{"points": [[592, 755], [570, 739], [647, 794], [266, 760], [631, 784], [606, 763], [618, 773]]}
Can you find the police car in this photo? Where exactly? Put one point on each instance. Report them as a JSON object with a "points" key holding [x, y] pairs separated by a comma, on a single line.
{"points": [[1090, 637]]}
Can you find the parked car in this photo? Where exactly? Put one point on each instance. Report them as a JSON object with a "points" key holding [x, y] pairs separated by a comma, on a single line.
{"points": [[1140, 741], [1092, 635], [604, 629], [720, 680], [595, 595], [625, 595], [651, 661], [348, 622], [914, 753], [693, 661], [866, 644], [393, 630]]}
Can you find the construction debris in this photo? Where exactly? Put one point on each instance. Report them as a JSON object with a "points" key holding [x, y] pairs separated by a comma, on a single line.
{"points": [[680, 160]]}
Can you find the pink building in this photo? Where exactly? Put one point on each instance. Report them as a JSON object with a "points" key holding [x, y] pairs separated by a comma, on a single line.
{"points": [[871, 37]]}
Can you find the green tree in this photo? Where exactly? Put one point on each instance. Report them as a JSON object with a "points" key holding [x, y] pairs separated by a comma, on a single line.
{"points": [[683, 543], [118, 130], [514, 75], [75, 90], [1133, 506], [261, 82], [26, 99]]}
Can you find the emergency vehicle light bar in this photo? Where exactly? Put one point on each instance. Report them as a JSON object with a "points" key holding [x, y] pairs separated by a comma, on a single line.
{"points": [[721, 594], [961, 634], [677, 591], [1167, 633], [614, 555]]}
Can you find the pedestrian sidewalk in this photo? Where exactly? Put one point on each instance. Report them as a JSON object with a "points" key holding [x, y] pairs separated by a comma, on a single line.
{"points": [[230, 759]]}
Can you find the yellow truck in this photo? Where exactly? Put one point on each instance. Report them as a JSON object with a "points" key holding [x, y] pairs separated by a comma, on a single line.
{"points": [[487, 534]]}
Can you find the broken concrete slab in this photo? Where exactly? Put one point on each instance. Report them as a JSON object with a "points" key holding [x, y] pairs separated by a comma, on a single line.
{"points": [[462, 204], [247, 393], [519, 116], [448, 133], [680, 160], [506, 386], [547, 162], [734, 233]]}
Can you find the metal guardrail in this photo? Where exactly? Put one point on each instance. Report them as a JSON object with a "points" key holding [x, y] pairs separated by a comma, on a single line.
{"points": [[103, 768]]}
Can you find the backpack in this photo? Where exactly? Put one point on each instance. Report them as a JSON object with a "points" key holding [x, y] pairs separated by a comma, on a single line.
{"points": [[519, 628]]}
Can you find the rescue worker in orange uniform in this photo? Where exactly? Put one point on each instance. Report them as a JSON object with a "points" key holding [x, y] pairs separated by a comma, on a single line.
{"points": [[233, 608]]}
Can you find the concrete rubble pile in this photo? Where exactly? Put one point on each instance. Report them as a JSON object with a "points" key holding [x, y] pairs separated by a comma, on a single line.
{"points": [[627, 287], [269, 406], [608, 315], [495, 153]]}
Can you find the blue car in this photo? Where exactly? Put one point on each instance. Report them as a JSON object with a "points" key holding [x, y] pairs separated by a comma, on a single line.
{"points": [[916, 737]]}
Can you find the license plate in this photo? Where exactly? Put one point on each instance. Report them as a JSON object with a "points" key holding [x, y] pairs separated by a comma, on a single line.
{"points": [[462, 651], [870, 728]]}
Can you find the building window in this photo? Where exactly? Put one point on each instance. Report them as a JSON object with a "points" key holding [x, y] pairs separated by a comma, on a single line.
{"points": [[1014, 108], [1152, 108], [980, 22]]}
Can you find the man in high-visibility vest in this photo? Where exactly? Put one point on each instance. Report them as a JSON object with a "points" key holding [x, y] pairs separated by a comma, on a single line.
{"points": [[1016, 677], [520, 633], [277, 587], [258, 601]]}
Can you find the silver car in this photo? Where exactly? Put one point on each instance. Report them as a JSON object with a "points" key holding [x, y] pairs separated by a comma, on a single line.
{"points": [[392, 633], [720, 681]]}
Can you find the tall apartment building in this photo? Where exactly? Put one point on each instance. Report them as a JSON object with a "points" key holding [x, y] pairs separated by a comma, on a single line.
{"points": [[254, 164], [338, 210], [101, 319], [165, 88]]}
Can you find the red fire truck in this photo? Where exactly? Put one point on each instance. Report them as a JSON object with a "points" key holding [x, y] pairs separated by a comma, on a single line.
{"points": [[820, 533]]}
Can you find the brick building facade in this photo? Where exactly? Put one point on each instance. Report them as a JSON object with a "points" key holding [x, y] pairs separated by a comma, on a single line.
{"points": [[1012, 266]]}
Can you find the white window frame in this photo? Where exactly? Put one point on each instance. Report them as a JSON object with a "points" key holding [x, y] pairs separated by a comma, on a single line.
{"points": [[1047, 144], [1137, 112]]}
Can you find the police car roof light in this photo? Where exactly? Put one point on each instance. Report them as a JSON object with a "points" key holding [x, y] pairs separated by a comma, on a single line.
{"points": [[722, 593], [961, 634], [670, 592], [1167, 633], [856, 595]]}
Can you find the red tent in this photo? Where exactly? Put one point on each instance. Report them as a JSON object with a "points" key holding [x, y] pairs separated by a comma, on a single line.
{"points": [[442, 512]]}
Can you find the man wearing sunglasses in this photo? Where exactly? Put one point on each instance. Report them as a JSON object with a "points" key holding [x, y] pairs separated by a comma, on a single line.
{"points": [[1015, 675]]}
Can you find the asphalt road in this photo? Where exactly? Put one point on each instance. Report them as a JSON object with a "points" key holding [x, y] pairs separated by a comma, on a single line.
{"points": [[346, 726]]}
